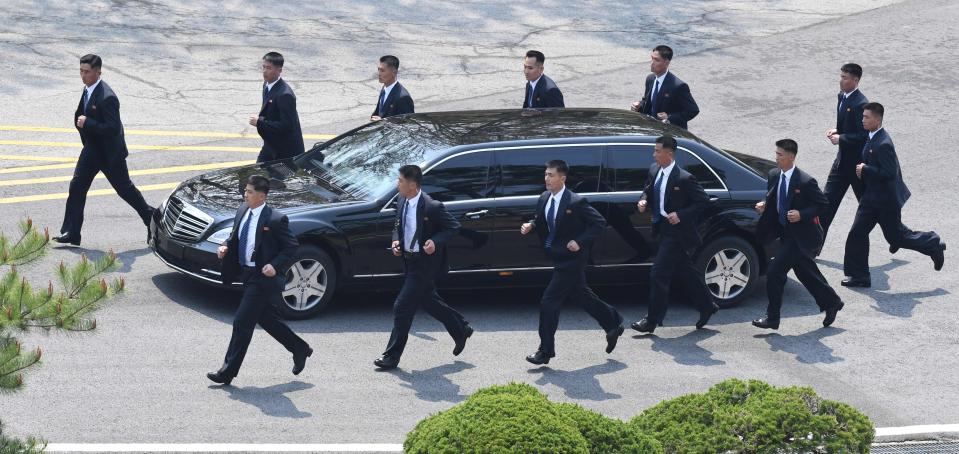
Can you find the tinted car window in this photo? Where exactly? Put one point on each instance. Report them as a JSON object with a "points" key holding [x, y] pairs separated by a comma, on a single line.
{"points": [[707, 179], [629, 166], [522, 169], [462, 177]]}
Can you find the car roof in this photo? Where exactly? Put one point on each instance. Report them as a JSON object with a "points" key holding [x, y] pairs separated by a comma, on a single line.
{"points": [[458, 128]]}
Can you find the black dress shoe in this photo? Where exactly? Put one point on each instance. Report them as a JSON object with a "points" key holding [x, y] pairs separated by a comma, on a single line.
{"points": [[299, 359], [704, 316], [939, 257], [766, 323], [66, 238], [219, 377], [612, 336], [856, 282], [386, 362], [540, 357], [643, 326], [893, 249], [831, 314], [461, 344]]}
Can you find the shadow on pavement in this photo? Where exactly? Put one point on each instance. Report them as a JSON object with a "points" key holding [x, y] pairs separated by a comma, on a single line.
{"points": [[808, 348], [580, 384], [684, 349], [433, 385], [271, 400]]}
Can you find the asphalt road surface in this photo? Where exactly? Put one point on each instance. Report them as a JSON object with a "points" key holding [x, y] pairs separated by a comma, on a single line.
{"points": [[187, 78]]}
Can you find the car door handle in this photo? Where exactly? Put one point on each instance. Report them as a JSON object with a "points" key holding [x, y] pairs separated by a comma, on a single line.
{"points": [[476, 214], [713, 198]]}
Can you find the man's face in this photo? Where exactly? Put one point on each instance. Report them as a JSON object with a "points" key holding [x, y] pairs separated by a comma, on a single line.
{"points": [[554, 180], [88, 74], [252, 197], [784, 159], [532, 69], [663, 156], [870, 121], [385, 73], [406, 188], [658, 64], [847, 82], [270, 72]]}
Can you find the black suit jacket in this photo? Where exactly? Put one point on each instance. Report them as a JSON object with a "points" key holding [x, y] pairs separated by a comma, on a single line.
{"points": [[685, 197], [433, 222], [279, 124], [575, 220], [398, 102], [803, 195], [674, 98], [274, 244], [102, 132], [852, 136], [883, 186], [546, 94]]}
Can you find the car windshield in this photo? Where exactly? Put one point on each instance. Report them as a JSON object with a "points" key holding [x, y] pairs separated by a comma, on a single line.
{"points": [[364, 162]]}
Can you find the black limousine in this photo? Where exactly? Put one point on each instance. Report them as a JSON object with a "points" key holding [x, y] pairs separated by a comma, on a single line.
{"points": [[487, 166]]}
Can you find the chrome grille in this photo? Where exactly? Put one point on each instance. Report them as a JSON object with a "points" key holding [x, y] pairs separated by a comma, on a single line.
{"points": [[184, 221]]}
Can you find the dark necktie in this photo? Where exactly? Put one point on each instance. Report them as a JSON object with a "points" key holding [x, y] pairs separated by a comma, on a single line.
{"points": [[655, 102], [243, 237], [551, 222], [781, 204], [842, 100], [656, 215], [865, 146], [529, 94], [266, 92], [382, 100], [85, 100]]}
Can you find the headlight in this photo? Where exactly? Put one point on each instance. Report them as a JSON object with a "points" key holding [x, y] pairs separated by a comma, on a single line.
{"points": [[221, 235]]}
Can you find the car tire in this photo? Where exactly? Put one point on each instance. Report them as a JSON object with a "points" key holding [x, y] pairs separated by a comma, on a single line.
{"points": [[310, 283], [729, 266]]}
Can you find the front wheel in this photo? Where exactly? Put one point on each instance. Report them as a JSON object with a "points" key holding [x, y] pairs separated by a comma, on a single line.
{"points": [[310, 283], [730, 269]]}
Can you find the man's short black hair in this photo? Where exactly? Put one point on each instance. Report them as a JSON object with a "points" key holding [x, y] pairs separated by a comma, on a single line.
{"points": [[274, 58], [875, 108], [667, 141], [559, 165], [540, 58], [788, 145], [93, 60], [664, 51], [852, 68], [412, 173], [259, 183], [391, 62]]}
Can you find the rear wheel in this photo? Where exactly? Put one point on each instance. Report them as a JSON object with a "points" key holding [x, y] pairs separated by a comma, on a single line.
{"points": [[310, 283], [730, 269]]}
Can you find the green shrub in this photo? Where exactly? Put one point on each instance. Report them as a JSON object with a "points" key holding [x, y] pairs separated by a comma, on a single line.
{"points": [[754, 417], [608, 435]]}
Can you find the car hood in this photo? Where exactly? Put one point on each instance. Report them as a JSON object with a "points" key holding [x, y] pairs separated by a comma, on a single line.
{"points": [[760, 165], [291, 187]]}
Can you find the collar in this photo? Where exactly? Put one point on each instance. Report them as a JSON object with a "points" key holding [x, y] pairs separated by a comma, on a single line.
{"points": [[269, 86], [559, 195], [873, 133], [389, 87], [660, 78], [534, 82], [415, 199], [256, 211], [789, 173], [846, 95], [92, 87], [668, 170]]}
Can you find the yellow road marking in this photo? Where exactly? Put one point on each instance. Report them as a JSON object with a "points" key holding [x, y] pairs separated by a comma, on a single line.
{"points": [[38, 143], [22, 169], [156, 171], [161, 133], [13, 157], [96, 192]]}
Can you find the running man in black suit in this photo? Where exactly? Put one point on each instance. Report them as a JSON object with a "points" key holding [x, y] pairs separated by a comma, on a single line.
{"points": [[850, 136], [258, 252], [666, 97], [567, 226], [541, 91], [676, 200], [884, 194], [393, 99], [423, 228], [97, 118], [277, 123], [791, 213]]}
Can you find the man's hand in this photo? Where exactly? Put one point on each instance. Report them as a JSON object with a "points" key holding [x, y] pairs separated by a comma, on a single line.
{"points": [[634, 106], [526, 228], [221, 252], [81, 120], [760, 207], [573, 246], [641, 205], [429, 247], [395, 247], [375, 118], [793, 216], [663, 116], [673, 218], [830, 132], [859, 168], [268, 270], [834, 139], [254, 120]]}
